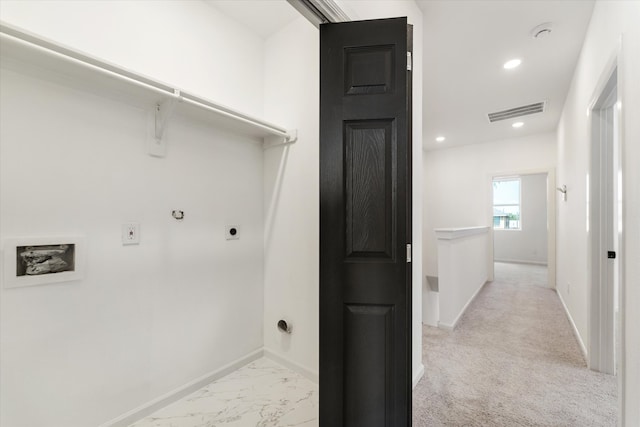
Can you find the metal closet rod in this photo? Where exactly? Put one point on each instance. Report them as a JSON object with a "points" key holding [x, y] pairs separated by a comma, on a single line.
{"points": [[35, 42]]}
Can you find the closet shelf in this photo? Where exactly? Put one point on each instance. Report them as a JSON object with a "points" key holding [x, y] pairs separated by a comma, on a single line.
{"points": [[32, 55]]}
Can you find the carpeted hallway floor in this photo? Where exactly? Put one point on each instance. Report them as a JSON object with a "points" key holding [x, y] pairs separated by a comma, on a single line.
{"points": [[512, 361]]}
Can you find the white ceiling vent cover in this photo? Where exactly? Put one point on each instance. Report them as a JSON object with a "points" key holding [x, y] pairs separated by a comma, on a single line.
{"points": [[525, 110]]}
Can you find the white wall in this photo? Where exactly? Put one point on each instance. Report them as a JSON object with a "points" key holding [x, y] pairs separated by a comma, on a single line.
{"points": [[611, 20], [529, 244], [457, 182], [362, 9], [185, 43], [459, 286], [291, 188], [149, 318], [457, 189]]}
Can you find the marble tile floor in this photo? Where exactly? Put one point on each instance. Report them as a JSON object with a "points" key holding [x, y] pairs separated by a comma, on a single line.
{"points": [[261, 394]]}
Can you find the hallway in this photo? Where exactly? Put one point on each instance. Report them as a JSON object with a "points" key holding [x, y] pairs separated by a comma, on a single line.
{"points": [[512, 361]]}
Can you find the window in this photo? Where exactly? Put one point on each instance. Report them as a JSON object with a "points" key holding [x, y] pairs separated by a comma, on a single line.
{"points": [[506, 203]]}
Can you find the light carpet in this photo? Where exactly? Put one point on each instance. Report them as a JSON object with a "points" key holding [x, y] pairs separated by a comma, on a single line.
{"points": [[512, 361]]}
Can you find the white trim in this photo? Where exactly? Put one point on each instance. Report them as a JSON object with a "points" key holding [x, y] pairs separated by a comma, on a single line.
{"points": [[306, 372], [418, 376], [576, 333], [459, 232], [622, 284], [551, 229], [176, 394], [598, 220], [520, 261], [615, 63], [451, 327]]}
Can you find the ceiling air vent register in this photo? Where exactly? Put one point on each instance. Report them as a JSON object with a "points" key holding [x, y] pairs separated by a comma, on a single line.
{"points": [[512, 113]]}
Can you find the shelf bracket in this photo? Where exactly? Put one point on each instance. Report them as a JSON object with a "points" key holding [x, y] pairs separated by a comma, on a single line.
{"points": [[163, 113], [276, 140], [160, 117]]}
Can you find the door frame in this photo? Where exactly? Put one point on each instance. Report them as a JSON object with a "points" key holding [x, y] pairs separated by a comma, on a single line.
{"points": [[594, 222], [602, 228], [551, 219], [333, 11]]}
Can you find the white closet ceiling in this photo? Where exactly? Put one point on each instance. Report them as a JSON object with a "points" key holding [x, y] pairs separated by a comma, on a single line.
{"points": [[465, 44], [263, 17]]}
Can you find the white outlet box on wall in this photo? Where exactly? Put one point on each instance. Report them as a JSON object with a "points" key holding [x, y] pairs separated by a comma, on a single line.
{"points": [[131, 233], [232, 232]]}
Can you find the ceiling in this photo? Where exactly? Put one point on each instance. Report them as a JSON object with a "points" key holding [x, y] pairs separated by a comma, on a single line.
{"points": [[465, 44], [263, 17]]}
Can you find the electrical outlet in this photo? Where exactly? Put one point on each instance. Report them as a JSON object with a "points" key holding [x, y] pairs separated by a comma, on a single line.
{"points": [[232, 232], [131, 233]]}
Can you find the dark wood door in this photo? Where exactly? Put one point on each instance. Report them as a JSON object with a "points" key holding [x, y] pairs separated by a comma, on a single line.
{"points": [[365, 224]]}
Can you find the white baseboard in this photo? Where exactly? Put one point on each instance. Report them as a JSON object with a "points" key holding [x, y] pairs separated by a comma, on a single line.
{"points": [[418, 376], [430, 307], [306, 372], [520, 261], [452, 326], [583, 348], [313, 375], [154, 405], [446, 326]]}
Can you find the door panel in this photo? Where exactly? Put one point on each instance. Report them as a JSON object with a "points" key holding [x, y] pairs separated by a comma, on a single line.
{"points": [[369, 69], [369, 168], [369, 360], [365, 224]]}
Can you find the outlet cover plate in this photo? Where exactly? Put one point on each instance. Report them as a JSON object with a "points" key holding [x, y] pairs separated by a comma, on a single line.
{"points": [[231, 232], [131, 233]]}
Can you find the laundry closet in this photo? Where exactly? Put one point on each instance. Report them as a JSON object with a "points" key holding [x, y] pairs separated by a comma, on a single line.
{"points": [[167, 154], [174, 122]]}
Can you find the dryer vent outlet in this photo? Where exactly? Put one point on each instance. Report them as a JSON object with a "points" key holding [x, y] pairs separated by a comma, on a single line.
{"points": [[284, 326]]}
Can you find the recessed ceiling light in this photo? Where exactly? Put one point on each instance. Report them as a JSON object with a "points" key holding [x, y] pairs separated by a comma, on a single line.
{"points": [[513, 63], [517, 125], [440, 139]]}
